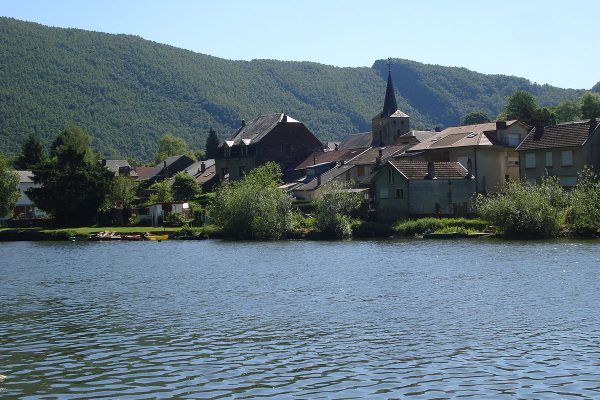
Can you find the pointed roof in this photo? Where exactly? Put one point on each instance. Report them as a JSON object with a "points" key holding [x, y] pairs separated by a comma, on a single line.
{"points": [[389, 105]]}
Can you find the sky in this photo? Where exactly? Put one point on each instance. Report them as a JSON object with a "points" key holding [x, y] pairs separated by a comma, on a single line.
{"points": [[553, 42]]}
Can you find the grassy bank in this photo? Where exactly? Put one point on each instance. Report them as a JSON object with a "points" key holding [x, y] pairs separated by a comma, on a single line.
{"points": [[35, 234]]}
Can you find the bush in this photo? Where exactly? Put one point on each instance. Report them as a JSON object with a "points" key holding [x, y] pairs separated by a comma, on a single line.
{"points": [[585, 203], [254, 207], [422, 225], [332, 210], [523, 210]]}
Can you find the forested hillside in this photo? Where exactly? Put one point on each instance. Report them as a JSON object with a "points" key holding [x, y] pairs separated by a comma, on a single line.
{"points": [[127, 91]]}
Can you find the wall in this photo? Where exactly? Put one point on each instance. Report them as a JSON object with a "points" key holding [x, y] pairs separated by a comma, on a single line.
{"points": [[392, 208], [568, 174]]}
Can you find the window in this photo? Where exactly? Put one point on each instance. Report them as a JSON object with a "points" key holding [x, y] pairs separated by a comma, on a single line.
{"points": [[548, 159], [513, 161], [244, 150], [360, 170], [227, 152], [513, 140], [566, 158], [529, 160], [390, 176], [399, 193], [383, 193]]}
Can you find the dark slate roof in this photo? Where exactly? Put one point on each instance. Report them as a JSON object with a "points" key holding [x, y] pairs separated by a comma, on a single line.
{"points": [[369, 156], [390, 105], [253, 131], [568, 134], [412, 170], [182, 161], [356, 141], [114, 166], [326, 177], [328, 156], [202, 177]]}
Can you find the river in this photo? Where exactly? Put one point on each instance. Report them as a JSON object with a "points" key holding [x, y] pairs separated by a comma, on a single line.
{"points": [[357, 319]]}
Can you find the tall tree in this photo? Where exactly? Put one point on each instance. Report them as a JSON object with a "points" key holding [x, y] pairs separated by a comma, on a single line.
{"points": [[590, 105], [567, 111], [521, 105], [185, 187], [9, 188], [212, 144], [476, 117], [32, 153], [73, 186], [169, 145]]}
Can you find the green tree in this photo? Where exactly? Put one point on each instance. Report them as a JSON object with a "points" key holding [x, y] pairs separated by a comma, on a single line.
{"points": [[542, 117], [73, 186], [212, 144], [476, 117], [521, 105], [253, 207], [185, 187], [122, 193], [32, 153], [162, 192], [169, 145], [590, 105], [567, 111], [585, 203], [333, 207], [9, 188]]}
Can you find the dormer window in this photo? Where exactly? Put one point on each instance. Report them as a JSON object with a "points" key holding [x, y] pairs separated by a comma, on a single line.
{"points": [[226, 152], [244, 150]]}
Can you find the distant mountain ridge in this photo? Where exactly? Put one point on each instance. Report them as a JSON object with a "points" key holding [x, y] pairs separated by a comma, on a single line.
{"points": [[128, 91]]}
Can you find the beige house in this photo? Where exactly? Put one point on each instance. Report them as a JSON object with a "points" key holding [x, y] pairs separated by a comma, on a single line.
{"points": [[561, 150], [416, 188], [488, 150]]}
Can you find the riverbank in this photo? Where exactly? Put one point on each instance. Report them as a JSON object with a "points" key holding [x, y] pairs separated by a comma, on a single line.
{"points": [[42, 234]]}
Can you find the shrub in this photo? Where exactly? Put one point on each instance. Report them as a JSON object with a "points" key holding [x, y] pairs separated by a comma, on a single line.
{"points": [[523, 210], [333, 207], [422, 225], [585, 203], [254, 207]]}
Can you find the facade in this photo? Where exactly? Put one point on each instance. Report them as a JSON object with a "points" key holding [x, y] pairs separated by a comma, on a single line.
{"points": [[276, 137], [561, 150], [415, 188], [24, 207], [487, 149]]}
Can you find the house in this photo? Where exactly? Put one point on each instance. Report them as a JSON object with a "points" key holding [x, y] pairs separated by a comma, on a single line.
{"points": [[158, 213], [561, 150], [275, 137], [165, 169], [488, 147], [418, 188], [24, 207], [309, 187], [119, 167], [205, 174]]}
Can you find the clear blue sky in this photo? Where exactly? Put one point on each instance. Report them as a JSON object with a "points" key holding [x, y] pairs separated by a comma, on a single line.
{"points": [[545, 41]]}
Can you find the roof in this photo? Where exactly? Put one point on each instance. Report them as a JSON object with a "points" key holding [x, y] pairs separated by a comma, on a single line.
{"points": [[356, 141], [389, 105], [322, 157], [115, 165], [256, 129], [569, 134], [165, 164], [460, 136], [25, 176], [209, 172], [370, 155], [413, 170], [419, 135], [325, 178]]}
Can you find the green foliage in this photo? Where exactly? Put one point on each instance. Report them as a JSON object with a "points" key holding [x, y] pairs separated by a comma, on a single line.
{"points": [[185, 187], [521, 105], [9, 188], [590, 105], [333, 207], [523, 210], [169, 145], [73, 186], [456, 229], [162, 192], [422, 225], [32, 153], [122, 192], [253, 207], [127, 91], [212, 144], [585, 203], [567, 111], [476, 117]]}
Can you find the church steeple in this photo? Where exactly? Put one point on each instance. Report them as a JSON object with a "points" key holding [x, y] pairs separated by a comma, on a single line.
{"points": [[389, 105]]}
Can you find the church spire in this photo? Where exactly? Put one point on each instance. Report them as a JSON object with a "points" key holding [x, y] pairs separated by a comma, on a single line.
{"points": [[389, 106]]}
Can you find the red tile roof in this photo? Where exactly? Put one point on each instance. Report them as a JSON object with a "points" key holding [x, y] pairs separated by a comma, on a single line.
{"points": [[419, 169], [569, 134]]}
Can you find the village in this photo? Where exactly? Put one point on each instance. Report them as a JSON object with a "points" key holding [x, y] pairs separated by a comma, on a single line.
{"points": [[399, 172]]}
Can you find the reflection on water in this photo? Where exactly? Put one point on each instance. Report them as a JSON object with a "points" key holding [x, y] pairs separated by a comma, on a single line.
{"points": [[378, 319]]}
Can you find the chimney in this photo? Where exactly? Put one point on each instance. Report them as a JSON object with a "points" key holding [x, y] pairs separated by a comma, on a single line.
{"points": [[318, 180], [500, 125], [592, 124], [539, 131], [165, 164], [284, 118], [243, 123], [103, 162], [202, 167], [380, 152], [438, 129], [430, 170]]}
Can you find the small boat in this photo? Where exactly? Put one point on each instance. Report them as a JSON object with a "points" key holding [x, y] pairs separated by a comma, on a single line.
{"points": [[105, 236], [157, 237], [133, 237]]}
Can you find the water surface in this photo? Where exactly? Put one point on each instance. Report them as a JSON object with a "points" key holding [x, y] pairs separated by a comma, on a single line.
{"points": [[361, 319]]}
